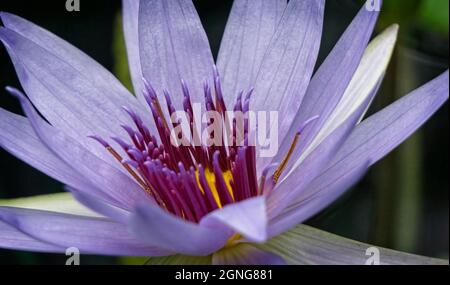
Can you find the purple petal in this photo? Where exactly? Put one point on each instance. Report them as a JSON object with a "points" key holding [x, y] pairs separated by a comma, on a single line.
{"points": [[90, 235], [100, 206], [18, 137], [156, 227], [174, 46], [319, 197], [295, 183], [11, 238], [369, 142], [116, 186], [248, 32], [364, 84], [69, 97], [130, 19], [248, 218], [246, 254], [289, 61], [307, 245], [379, 134], [97, 74], [331, 80], [358, 95], [376, 136]]}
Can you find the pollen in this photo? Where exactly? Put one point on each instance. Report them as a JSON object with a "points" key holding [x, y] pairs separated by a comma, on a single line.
{"points": [[211, 180]]}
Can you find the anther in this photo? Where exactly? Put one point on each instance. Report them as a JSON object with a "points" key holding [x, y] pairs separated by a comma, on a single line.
{"points": [[284, 162]]}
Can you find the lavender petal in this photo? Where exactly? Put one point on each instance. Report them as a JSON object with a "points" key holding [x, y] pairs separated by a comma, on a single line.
{"points": [[18, 137], [12, 238], [159, 228], [100, 206], [248, 33], [90, 235], [247, 218], [296, 182], [70, 97], [331, 80], [115, 186], [316, 200], [174, 46], [289, 61], [371, 140]]}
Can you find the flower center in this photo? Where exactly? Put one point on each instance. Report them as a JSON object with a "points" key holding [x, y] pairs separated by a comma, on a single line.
{"points": [[186, 176]]}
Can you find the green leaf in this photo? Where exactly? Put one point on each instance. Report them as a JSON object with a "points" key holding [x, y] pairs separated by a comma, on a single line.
{"points": [[308, 245], [60, 203], [121, 69], [434, 15], [133, 260], [180, 260]]}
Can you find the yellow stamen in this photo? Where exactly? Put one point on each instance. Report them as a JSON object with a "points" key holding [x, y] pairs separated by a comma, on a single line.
{"points": [[211, 180], [233, 240]]}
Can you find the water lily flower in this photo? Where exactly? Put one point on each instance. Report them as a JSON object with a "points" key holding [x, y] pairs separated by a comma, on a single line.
{"points": [[134, 193]]}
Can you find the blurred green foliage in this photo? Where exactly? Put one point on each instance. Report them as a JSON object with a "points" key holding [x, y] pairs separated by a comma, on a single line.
{"points": [[433, 15], [120, 54], [430, 15]]}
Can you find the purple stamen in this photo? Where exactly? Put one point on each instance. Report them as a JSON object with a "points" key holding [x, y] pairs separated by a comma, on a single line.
{"points": [[130, 162], [120, 142], [184, 179], [99, 140]]}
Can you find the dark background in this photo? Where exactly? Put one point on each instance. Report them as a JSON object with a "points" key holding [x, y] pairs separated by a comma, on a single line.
{"points": [[402, 203]]}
